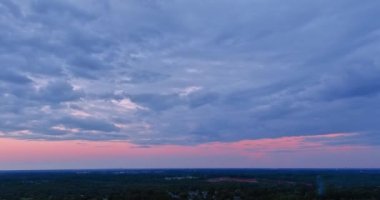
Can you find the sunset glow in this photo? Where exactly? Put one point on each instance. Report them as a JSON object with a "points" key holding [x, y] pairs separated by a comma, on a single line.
{"points": [[297, 151], [182, 84]]}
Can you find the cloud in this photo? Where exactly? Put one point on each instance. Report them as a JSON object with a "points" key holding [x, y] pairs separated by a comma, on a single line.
{"points": [[176, 72], [58, 91], [13, 77], [285, 152], [358, 81], [91, 124]]}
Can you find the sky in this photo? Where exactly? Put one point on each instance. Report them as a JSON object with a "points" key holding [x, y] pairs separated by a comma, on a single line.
{"points": [[189, 84]]}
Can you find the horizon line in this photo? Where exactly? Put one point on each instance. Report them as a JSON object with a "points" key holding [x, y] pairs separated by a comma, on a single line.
{"points": [[197, 168]]}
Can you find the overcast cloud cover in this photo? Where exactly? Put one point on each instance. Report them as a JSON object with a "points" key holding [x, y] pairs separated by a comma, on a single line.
{"points": [[189, 72]]}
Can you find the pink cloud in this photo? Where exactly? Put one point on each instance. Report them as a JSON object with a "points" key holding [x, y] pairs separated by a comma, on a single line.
{"points": [[246, 153]]}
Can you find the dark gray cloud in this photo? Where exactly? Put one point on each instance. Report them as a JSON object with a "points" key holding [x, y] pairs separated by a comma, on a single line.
{"points": [[58, 91], [186, 72], [13, 77]]}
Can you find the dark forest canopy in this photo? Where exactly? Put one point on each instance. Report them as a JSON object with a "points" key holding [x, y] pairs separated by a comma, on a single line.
{"points": [[190, 184]]}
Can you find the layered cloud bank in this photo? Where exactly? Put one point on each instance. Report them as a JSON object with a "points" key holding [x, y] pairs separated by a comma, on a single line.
{"points": [[316, 151], [189, 72]]}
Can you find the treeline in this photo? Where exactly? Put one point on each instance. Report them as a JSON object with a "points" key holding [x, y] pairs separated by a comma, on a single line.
{"points": [[191, 184]]}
